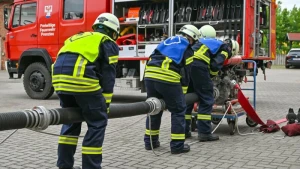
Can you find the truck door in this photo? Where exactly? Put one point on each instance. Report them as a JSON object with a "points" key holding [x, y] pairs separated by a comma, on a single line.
{"points": [[23, 34], [48, 26], [72, 18]]}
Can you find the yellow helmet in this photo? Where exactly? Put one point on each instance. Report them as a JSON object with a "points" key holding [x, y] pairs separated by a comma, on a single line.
{"points": [[207, 31]]}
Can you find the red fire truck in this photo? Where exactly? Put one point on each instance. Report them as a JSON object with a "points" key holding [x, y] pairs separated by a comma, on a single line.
{"points": [[37, 29]]}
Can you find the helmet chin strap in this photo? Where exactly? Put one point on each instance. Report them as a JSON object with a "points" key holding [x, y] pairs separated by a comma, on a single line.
{"points": [[106, 31]]}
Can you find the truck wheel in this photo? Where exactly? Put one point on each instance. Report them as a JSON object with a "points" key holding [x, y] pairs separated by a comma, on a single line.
{"points": [[37, 81]]}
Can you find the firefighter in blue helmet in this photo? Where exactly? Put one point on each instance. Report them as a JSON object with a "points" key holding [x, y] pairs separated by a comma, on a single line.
{"points": [[209, 56], [83, 75], [167, 77]]}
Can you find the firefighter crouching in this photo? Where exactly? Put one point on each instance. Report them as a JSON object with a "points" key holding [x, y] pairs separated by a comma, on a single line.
{"points": [[163, 80], [209, 56], [84, 76]]}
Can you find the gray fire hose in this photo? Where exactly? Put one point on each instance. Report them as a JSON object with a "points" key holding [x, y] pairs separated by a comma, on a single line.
{"points": [[39, 118]]}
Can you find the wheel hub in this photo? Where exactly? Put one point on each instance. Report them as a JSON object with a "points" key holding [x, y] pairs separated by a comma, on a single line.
{"points": [[37, 81]]}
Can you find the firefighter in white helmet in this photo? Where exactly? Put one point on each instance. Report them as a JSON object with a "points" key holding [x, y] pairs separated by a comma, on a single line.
{"points": [[163, 80], [83, 75], [210, 54]]}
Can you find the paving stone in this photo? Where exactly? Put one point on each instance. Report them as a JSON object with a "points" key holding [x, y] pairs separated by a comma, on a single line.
{"points": [[124, 147]]}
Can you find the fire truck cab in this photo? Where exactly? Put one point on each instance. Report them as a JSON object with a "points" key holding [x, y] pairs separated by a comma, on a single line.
{"points": [[38, 28]]}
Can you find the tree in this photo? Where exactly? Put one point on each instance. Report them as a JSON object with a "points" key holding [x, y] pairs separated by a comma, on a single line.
{"points": [[286, 21]]}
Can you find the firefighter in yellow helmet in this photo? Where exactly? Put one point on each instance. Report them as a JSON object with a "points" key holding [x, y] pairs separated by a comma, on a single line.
{"points": [[83, 75], [163, 80], [210, 54]]}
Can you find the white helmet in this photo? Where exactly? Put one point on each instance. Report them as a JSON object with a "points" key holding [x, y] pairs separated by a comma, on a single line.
{"points": [[234, 45], [191, 31], [207, 31], [109, 20]]}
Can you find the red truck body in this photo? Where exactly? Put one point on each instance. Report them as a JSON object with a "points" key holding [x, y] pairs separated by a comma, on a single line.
{"points": [[37, 30]]}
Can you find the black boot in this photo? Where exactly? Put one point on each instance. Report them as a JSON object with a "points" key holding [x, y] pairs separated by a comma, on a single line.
{"points": [[208, 137], [188, 135], [155, 145], [186, 148], [291, 116]]}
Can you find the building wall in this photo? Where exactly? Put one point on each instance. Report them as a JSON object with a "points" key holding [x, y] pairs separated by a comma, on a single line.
{"points": [[3, 32]]}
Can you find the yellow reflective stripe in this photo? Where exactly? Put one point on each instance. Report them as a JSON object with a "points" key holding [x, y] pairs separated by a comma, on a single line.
{"points": [[108, 97], [75, 88], [202, 57], [188, 117], [225, 54], [189, 60], [107, 110], [113, 59], [200, 54], [68, 140], [213, 73], [162, 71], [153, 132], [74, 80], [203, 117], [162, 77], [177, 136], [79, 67], [166, 63], [91, 150], [184, 89]]}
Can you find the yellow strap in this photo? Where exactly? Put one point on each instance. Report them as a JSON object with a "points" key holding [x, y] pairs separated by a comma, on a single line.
{"points": [[108, 97], [177, 136], [152, 132], [79, 67], [68, 140], [113, 59], [213, 73], [184, 89], [162, 77], [75, 88], [80, 80], [189, 60], [225, 54], [200, 54], [162, 71], [91, 150], [188, 117], [203, 117], [166, 63]]}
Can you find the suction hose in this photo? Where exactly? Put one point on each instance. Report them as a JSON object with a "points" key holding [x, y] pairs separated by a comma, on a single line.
{"points": [[39, 118]]}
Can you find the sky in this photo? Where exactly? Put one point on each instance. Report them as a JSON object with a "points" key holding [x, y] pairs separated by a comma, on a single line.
{"points": [[289, 4]]}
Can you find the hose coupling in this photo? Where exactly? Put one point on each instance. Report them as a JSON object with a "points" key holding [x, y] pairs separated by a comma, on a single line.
{"points": [[156, 105]]}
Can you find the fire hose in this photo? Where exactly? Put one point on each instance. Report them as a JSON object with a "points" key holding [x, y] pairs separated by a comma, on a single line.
{"points": [[39, 118]]}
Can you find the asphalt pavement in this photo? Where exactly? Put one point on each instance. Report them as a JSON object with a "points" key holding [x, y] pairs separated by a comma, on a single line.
{"points": [[124, 147]]}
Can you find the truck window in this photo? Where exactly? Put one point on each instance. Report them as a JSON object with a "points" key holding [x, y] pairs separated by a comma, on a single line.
{"points": [[24, 14], [73, 9]]}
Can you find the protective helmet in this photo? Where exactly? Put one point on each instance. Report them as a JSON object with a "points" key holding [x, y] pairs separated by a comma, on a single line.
{"points": [[109, 20], [207, 31], [191, 31], [234, 46]]}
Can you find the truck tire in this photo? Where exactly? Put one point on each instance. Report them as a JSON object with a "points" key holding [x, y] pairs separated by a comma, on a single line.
{"points": [[37, 81]]}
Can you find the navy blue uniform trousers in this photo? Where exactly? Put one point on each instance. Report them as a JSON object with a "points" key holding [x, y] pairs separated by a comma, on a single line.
{"points": [[94, 113], [189, 109], [203, 87], [175, 102]]}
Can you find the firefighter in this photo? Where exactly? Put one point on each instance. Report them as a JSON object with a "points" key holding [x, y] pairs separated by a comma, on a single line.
{"points": [[163, 80], [84, 76], [210, 54]]}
